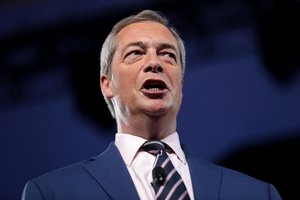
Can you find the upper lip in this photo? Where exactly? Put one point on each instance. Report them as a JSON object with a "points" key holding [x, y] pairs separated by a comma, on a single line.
{"points": [[154, 83]]}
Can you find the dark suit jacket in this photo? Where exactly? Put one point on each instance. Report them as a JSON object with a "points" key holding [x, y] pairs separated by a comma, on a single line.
{"points": [[106, 177]]}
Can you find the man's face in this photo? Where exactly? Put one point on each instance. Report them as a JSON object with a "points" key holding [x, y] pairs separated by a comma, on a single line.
{"points": [[146, 74]]}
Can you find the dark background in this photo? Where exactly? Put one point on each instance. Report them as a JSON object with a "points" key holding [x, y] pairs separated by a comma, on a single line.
{"points": [[241, 104]]}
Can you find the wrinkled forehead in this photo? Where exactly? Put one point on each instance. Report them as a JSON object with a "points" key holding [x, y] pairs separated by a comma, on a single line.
{"points": [[146, 32]]}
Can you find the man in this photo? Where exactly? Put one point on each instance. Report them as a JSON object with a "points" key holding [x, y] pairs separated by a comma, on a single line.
{"points": [[142, 68]]}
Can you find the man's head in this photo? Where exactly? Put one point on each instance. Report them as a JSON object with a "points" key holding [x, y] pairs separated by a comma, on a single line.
{"points": [[141, 51]]}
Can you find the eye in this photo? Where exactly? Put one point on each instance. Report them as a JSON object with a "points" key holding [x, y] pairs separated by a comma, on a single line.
{"points": [[134, 53], [169, 56], [133, 56]]}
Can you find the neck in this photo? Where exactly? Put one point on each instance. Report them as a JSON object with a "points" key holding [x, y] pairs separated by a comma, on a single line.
{"points": [[148, 127]]}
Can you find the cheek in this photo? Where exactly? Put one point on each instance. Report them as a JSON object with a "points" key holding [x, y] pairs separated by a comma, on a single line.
{"points": [[179, 88], [179, 93], [123, 83], [118, 76], [176, 78], [179, 97]]}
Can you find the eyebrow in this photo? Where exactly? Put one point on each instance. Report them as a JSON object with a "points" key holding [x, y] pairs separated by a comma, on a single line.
{"points": [[167, 46], [138, 43], [144, 46]]}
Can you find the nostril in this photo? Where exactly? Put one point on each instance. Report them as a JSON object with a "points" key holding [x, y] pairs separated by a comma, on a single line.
{"points": [[154, 69], [148, 69], [159, 69]]}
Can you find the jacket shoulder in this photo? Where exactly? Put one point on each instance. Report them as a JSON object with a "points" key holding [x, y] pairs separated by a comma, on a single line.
{"points": [[225, 183], [64, 183]]}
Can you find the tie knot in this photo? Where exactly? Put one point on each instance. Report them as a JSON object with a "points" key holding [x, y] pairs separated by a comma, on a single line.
{"points": [[153, 147]]}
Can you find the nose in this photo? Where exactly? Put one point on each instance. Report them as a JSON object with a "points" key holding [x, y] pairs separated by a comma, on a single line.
{"points": [[154, 69], [153, 64]]}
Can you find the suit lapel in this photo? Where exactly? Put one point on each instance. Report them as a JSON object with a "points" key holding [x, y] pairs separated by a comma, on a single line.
{"points": [[206, 178], [111, 173]]}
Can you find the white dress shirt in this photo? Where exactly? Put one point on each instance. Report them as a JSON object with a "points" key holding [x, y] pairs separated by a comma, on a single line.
{"points": [[141, 163]]}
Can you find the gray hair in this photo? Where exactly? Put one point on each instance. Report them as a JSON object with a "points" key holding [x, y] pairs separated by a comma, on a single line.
{"points": [[110, 45]]}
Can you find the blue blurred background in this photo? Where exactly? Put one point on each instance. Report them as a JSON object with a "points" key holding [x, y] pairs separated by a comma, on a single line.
{"points": [[241, 104]]}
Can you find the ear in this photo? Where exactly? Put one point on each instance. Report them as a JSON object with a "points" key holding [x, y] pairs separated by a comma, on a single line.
{"points": [[106, 86]]}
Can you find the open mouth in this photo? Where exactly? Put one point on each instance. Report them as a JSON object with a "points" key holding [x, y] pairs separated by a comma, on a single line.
{"points": [[154, 86]]}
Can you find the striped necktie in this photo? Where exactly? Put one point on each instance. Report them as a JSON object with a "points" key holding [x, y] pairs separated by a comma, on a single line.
{"points": [[167, 183]]}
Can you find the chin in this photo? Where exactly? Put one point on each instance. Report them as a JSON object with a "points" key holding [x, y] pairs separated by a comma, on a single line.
{"points": [[157, 111]]}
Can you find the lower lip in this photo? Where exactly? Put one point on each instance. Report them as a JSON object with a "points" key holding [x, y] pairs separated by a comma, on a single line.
{"points": [[154, 93]]}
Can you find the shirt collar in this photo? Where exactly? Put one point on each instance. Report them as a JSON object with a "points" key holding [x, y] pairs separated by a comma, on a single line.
{"points": [[129, 145]]}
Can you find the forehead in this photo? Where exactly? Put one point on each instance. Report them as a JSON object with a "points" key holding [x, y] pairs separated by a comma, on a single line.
{"points": [[146, 31]]}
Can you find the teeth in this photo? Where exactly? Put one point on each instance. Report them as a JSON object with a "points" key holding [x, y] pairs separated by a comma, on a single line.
{"points": [[154, 89]]}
